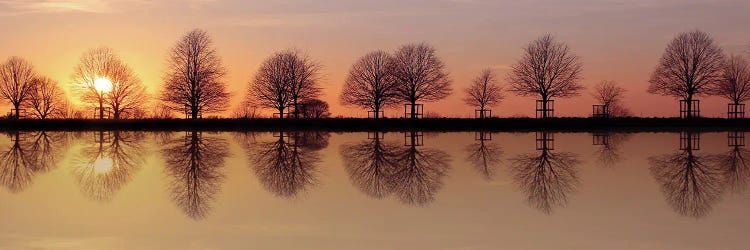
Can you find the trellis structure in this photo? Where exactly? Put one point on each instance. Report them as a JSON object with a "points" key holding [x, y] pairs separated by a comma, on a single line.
{"points": [[599, 111], [690, 109], [545, 109], [600, 138], [21, 113], [482, 113], [375, 135], [418, 110], [482, 136], [545, 141], [413, 139], [736, 111], [690, 141], [373, 114], [736, 138], [101, 115]]}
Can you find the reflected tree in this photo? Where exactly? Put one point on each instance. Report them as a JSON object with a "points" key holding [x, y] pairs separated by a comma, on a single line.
{"points": [[546, 178], [690, 182], [608, 154], [107, 162], [370, 165], [287, 166], [194, 163], [418, 173], [735, 167], [28, 154], [485, 156]]}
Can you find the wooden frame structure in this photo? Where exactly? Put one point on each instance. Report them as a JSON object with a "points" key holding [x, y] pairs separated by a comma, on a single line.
{"points": [[545, 109]]}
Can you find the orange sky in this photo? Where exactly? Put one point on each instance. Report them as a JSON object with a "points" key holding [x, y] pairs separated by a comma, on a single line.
{"points": [[617, 39]]}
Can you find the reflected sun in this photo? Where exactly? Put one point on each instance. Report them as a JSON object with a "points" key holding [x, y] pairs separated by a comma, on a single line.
{"points": [[103, 165], [103, 85]]}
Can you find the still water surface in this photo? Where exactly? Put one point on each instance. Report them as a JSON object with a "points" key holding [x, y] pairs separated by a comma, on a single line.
{"points": [[320, 190]]}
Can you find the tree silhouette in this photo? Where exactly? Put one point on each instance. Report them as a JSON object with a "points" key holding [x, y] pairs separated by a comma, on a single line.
{"points": [[370, 165], [287, 78], [546, 178], [609, 94], [108, 161], [548, 69], [690, 66], [690, 183], [418, 173], [46, 98], [485, 156], [127, 91], [370, 84], [419, 74], [195, 77], [286, 166], [734, 83], [29, 154], [484, 91], [194, 163], [315, 108], [16, 82]]}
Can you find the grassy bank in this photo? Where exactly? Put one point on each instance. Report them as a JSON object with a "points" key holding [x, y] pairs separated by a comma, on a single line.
{"points": [[357, 124]]}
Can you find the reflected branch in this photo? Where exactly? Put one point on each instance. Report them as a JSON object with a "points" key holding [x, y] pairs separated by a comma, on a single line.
{"points": [[370, 165], [547, 178], [485, 157], [194, 163], [286, 166], [107, 162], [418, 173], [691, 184]]}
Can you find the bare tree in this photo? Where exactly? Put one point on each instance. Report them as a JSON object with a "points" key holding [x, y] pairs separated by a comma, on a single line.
{"points": [[608, 154], [735, 167], [734, 83], [195, 77], [46, 99], [16, 82], [548, 69], [485, 157], [194, 163], [102, 64], [286, 79], [420, 75], [370, 84], [484, 92], [690, 66], [315, 108], [610, 95]]}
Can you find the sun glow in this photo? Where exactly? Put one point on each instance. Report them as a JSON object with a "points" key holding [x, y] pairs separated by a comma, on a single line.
{"points": [[103, 165], [103, 85]]}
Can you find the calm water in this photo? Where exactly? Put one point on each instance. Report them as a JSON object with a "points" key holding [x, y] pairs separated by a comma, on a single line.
{"points": [[319, 190]]}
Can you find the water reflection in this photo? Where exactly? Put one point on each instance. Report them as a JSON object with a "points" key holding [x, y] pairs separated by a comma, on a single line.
{"points": [[194, 162], [609, 146], [546, 177], [734, 162], [28, 154], [691, 182], [370, 164], [484, 155], [107, 161], [412, 172], [287, 165]]}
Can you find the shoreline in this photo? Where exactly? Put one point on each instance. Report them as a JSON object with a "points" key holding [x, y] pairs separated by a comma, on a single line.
{"points": [[386, 124]]}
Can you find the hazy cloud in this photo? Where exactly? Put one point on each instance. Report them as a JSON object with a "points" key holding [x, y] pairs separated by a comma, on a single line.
{"points": [[63, 6]]}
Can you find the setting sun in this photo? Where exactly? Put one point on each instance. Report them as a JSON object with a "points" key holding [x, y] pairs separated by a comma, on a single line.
{"points": [[103, 85], [103, 165]]}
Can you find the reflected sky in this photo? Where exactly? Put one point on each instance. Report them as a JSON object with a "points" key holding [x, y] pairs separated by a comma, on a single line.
{"points": [[377, 190]]}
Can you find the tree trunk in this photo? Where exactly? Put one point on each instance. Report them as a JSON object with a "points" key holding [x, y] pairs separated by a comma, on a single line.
{"points": [[377, 111], [193, 112], [413, 109], [689, 106], [17, 114], [296, 109], [281, 113], [101, 110], [544, 106], [481, 111]]}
